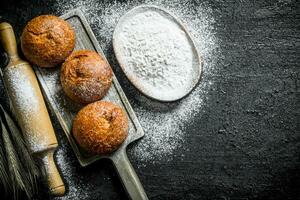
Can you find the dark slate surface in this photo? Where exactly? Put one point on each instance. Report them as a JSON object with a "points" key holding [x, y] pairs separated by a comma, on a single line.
{"points": [[246, 143]]}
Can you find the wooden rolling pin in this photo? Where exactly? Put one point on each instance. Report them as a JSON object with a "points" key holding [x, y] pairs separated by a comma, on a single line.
{"points": [[29, 107]]}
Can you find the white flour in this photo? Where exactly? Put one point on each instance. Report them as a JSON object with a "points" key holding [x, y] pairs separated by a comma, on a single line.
{"points": [[157, 54], [24, 94], [26, 103], [77, 189], [164, 124]]}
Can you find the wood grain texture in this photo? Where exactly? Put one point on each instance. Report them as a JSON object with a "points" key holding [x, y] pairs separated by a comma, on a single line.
{"points": [[244, 143]]}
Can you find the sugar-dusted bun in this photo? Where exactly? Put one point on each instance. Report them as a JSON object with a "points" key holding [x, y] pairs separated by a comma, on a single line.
{"points": [[100, 127], [47, 40], [85, 76]]}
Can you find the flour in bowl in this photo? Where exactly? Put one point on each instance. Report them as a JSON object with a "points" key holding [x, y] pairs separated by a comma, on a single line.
{"points": [[156, 53]]}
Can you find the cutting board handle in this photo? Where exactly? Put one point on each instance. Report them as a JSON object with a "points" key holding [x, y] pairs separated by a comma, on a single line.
{"points": [[129, 178]]}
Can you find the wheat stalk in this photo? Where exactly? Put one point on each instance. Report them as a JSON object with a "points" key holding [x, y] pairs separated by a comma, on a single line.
{"points": [[19, 172]]}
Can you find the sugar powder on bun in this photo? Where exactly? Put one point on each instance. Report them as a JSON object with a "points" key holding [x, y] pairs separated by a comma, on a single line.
{"points": [[85, 76], [100, 127], [47, 40]]}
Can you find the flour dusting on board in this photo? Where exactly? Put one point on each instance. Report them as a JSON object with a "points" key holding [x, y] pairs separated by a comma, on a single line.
{"points": [[164, 124]]}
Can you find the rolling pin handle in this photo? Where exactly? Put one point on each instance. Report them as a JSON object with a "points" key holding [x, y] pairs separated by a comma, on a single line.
{"points": [[56, 185], [8, 40]]}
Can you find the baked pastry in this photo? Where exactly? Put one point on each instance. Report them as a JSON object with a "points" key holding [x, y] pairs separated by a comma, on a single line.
{"points": [[47, 40], [100, 127], [85, 76]]}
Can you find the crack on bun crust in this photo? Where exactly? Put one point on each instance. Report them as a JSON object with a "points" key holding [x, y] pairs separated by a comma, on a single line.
{"points": [[100, 127], [47, 40], [85, 76]]}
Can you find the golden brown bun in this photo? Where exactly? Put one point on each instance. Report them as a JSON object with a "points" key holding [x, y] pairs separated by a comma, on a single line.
{"points": [[47, 40], [100, 127], [85, 76]]}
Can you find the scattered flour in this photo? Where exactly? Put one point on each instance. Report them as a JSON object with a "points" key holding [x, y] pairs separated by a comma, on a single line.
{"points": [[164, 124], [24, 94], [77, 189], [26, 104]]}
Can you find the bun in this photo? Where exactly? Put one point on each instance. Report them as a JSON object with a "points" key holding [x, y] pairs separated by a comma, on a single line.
{"points": [[85, 76], [100, 127], [47, 40]]}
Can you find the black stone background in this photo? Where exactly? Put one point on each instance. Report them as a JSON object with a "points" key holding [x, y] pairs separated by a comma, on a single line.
{"points": [[247, 143]]}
